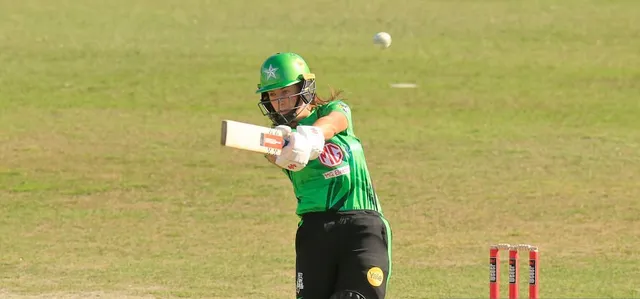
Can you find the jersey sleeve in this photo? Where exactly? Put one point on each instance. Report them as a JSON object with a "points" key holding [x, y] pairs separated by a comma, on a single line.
{"points": [[338, 106], [332, 106]]}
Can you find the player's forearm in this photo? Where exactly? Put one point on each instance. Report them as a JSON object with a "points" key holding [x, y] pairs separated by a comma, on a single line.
{"points": [[328, 129], [331, 124]]}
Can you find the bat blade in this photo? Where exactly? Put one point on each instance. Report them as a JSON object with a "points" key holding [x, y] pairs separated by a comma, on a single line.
{"points": [[251, 137]]}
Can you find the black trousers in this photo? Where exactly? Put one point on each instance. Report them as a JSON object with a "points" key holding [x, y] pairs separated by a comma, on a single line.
{"points": [[342, 251]]}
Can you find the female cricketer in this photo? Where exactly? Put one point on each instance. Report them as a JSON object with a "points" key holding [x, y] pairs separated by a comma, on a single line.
{"points": [[343, 241]]}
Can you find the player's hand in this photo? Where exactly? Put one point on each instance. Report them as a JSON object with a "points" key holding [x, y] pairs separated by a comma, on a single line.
{"points": [[295, 155], [315, 137], [271, 158]]}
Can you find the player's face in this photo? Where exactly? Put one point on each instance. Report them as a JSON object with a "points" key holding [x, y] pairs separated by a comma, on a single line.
{"points": [[284, 99]]}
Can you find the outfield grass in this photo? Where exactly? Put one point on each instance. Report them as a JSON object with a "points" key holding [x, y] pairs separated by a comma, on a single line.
{"points": [[524, 128]]}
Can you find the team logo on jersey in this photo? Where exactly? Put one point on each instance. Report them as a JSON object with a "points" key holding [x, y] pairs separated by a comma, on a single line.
{"points": [[331, 155], [344, 106], [375, 276]]}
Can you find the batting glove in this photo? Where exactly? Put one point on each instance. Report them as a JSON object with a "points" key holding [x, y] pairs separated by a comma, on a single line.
{"points": [[315, 137], [285, 130], [295, 155]]}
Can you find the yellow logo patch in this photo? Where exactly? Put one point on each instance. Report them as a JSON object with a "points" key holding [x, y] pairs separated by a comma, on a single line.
{"points": [[375, 276]]}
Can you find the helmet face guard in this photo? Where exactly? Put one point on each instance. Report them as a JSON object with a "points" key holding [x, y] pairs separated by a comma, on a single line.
{"points": [[279, 71], [305, 96]]}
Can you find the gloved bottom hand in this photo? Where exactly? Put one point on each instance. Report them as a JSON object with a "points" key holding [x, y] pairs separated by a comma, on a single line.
{"points": [[295, 155]]}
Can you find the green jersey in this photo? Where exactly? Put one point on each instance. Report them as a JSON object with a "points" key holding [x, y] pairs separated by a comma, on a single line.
{"points": [[338, 180]]}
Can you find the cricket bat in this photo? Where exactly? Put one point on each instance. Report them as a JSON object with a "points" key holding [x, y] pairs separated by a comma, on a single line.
{"points": [[250, 137]]}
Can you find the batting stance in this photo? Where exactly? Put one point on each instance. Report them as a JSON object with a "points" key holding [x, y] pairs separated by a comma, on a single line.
{"points": [[343, 242]]}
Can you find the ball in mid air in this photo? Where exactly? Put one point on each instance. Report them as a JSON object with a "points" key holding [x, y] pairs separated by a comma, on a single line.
{"points": [[382, 39]]}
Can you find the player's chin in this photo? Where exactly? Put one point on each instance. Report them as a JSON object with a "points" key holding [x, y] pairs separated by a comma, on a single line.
{"points": [[289, 113]]}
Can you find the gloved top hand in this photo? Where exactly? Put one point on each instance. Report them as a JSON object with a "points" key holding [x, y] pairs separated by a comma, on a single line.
{"points": [[315, 139]]}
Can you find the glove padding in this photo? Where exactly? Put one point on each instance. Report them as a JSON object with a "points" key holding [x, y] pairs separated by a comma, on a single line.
{"points": [[295, 155], [285, 130], [315, 138]]}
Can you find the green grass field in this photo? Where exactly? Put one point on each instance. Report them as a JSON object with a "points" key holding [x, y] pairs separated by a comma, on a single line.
{"points": [[524, 128]]}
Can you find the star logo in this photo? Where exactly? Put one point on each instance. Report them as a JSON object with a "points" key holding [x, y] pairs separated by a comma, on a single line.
{"points": [[270, 72]]}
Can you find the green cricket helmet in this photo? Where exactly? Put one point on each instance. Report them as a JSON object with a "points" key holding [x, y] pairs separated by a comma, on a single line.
{"points": [[283, 70]]}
